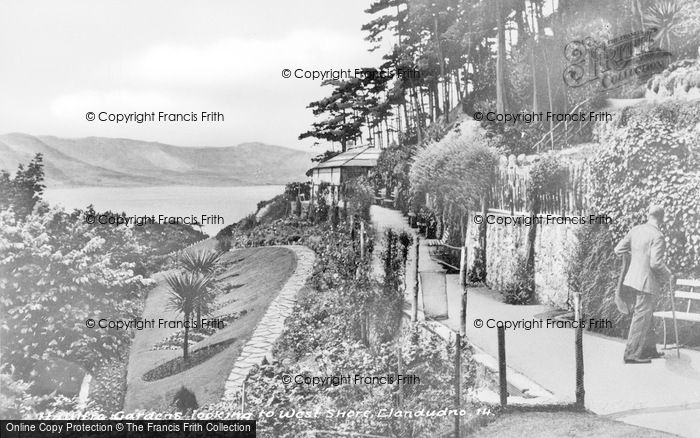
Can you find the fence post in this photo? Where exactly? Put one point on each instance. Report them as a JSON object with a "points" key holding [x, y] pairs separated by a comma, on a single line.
{"points": [[502, 381], [458, 379], [243, 396], [463, 266], [414, 316], [362, 240], [463, 313], [580, 389]]}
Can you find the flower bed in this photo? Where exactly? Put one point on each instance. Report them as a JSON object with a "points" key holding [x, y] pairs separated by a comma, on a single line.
{"points": [[175, 341], [179, 365]]}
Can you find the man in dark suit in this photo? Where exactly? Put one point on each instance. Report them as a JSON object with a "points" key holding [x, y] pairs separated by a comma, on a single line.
{"points": [[646, 246]]}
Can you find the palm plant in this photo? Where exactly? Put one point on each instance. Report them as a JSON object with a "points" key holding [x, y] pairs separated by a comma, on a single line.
{"points": [[665, 16], [188, 292], [202, 263]]}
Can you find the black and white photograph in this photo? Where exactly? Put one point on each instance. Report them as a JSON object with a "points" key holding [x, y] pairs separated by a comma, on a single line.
{"points": [[350, 219]]}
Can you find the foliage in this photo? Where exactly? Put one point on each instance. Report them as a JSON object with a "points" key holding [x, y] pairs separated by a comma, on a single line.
{"points": [[546, 176], [16, 401], [185, 400], [361, 198], [680, 77], [665, 16], [327, 155], [108, 385], [157, 241], [276, 208], [342, 326], [22, 191], [458, 170], [200, 262], [56, 272], [593, 271], [423, 354], [189, 291], [649, 155], [180, 364], [320, 207], [223, 245], [295, 189], [197, 334], [392, 169], [520, 288]]}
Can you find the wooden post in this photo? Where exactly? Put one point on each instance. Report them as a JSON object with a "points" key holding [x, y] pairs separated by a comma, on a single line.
{"points": [[463, 314], [580, 389], [463, 266], [502, 380], [463, 282], [362, 240], [673, 314], [458, 380], [414, 316], [399, 356]]}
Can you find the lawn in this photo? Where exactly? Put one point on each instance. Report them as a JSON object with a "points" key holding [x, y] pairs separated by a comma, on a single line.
{"points": [[253, 277], [561, 424]]}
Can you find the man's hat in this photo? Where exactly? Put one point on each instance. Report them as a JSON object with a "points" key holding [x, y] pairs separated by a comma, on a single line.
{"points": [[656, 211]]}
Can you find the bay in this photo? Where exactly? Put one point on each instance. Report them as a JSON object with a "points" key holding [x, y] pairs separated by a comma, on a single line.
{"points": [[231, 203]]}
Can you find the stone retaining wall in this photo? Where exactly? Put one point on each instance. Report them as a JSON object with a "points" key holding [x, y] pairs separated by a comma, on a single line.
{"points": [[505, 247]]}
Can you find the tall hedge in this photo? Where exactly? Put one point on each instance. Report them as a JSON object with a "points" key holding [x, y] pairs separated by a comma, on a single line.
{"points": [[651, 154]]}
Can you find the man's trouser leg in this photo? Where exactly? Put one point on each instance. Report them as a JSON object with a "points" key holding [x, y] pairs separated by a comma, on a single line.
{"points": [[640, 334]]}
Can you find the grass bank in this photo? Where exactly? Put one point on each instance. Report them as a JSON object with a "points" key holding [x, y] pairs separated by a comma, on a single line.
{"points": [[251, 280]]}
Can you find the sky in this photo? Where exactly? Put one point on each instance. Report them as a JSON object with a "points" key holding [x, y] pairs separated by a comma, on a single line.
{"points": [[63, 59]]}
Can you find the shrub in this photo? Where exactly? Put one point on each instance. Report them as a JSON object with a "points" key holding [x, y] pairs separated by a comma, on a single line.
{"points": [[459, 170], [294, 190], [223, 244], [185, 400], [593, 272], [360, 195], [521, 288], [277, 208]]}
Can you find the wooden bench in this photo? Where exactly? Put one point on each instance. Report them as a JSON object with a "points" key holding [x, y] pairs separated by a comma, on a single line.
{"points": [[441, 241], [688, 291]]}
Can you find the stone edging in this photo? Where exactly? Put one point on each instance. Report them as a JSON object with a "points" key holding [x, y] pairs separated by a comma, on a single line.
{"points": [[270, 327]]}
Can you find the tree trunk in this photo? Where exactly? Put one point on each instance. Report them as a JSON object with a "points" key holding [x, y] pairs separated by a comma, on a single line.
{"points": [[549, 97], [186, 345], [530, 247], [535, 104], [500, 61]]}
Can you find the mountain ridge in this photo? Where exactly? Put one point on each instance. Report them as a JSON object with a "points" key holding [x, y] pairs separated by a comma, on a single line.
{"points": [[124, 162]]}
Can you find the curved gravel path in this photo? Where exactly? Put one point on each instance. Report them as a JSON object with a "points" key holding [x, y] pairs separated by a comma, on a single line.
{"points": [[271, 325]]}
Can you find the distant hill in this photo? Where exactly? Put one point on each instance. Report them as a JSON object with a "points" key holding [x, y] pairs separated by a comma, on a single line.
{"points": [[99, 161]]}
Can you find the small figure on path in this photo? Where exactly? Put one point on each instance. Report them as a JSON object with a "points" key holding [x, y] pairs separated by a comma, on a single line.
{"points": [[645, 246]]}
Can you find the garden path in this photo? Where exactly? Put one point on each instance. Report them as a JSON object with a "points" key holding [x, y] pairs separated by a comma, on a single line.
{"points": [[270, 327], [664, 395]]}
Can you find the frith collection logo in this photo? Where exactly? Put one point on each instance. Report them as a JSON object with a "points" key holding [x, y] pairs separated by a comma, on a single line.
{"points": [[621, 60]]}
